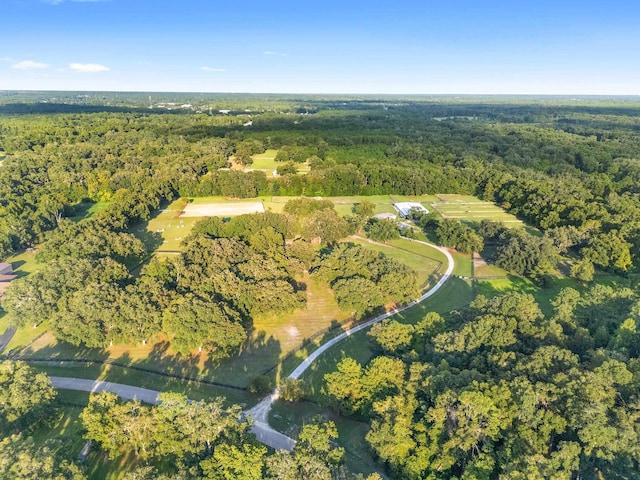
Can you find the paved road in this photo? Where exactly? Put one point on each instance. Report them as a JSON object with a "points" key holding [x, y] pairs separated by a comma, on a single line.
{"points": [[260, 413], [127, 392], [263, 432]]}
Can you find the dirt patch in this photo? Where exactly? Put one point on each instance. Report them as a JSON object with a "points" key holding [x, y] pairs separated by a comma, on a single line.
{"points": [[227, 209]]}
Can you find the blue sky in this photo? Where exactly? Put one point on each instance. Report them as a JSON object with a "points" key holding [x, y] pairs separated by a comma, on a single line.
{"points": [[323, 46]]}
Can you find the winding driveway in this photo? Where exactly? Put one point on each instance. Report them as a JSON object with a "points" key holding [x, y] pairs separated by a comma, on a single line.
{"points": [[260, 412]]}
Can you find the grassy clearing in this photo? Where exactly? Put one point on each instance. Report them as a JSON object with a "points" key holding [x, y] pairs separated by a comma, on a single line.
{"points": [[25, 336], [165, 230], [86, 209], [471, 209], [289, 417], [488, 270], [265, 161], [543, 294], [463, 264], [24, 264], [276, 336]]}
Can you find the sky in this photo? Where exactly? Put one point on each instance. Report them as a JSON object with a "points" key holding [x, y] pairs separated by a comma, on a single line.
{"points": [[563, 47]]}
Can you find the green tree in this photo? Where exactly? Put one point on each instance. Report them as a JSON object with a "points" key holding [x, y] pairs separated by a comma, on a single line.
{"points": [[392, 335], [382, 230], [24, 394]]}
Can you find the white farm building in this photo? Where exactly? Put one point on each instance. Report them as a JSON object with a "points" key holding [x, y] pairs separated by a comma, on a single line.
{"points": [[404, 208]]}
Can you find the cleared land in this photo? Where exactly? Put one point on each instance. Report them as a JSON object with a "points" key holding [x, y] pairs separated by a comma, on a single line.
{"points": [[266, 162], [471, 209], [221, 209]]}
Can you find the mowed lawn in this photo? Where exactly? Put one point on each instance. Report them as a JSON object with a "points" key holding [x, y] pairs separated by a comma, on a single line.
{"points": [[266, 162], [471, 209]]}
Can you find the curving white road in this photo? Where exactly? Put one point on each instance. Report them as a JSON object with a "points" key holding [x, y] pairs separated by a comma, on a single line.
{"points": [[260, 412]]}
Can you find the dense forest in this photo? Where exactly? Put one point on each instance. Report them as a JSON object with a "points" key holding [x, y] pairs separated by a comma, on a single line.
{"points": [[497, 389]]}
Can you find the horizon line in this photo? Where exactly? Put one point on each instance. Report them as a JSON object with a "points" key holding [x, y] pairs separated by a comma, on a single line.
{"points": [[338, 94]]}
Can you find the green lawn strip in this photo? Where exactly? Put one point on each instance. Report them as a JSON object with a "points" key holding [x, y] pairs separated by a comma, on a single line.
{"points": [[24, 263], [144, 379], [24, 336], [289, 417], [488, 270], [463, 264], [265, 161]]}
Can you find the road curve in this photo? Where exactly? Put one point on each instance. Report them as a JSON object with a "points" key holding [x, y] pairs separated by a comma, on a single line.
{"points": [[260, 412], [306, 363]]}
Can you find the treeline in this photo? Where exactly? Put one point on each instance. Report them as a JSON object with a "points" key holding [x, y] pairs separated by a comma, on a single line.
{"points": [[498, 390], [521, 157]]}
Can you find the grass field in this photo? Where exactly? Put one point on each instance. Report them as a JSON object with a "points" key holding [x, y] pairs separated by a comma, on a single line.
{"points": [[471, 209], [267, 162], [86, 209]]}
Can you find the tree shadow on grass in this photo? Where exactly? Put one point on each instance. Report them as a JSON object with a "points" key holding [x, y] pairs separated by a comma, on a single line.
{"points": [[258, 356], [64, 352]]}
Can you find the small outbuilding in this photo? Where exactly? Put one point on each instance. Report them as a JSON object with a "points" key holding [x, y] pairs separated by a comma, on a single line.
{"points": [[403, 208]]}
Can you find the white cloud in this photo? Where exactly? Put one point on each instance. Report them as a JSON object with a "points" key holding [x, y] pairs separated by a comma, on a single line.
{"points": [[28, 65], [88, 67], [211, 69], [6, 59]]}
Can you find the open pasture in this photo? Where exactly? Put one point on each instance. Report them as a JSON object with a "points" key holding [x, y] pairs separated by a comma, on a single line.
{"points": [[468, 208], [228, 209]]}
